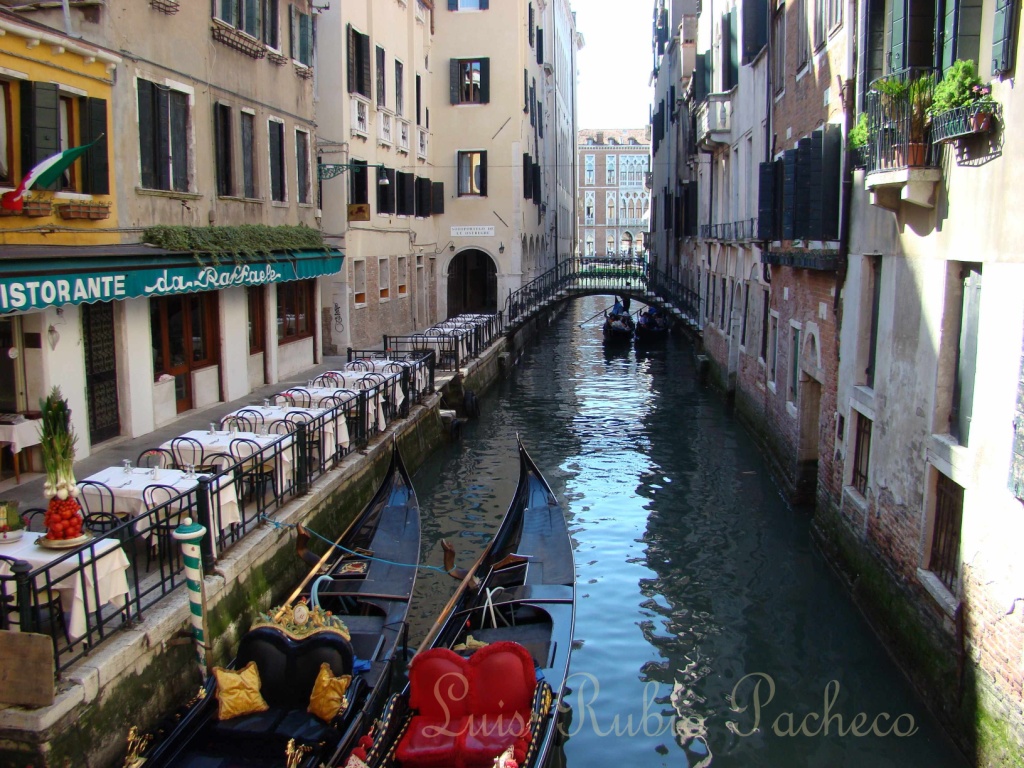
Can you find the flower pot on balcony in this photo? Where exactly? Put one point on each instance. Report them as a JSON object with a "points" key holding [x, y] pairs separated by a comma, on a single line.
{"points": [[917, 153], [981, 121], [91, 211], [36, 208]]}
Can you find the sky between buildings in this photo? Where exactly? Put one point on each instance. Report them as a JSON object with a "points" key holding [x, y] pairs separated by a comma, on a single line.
{"points": [[615, 64]]}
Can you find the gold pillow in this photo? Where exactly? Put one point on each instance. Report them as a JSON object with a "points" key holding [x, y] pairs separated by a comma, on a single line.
{"points": [[328, 698], [238, 693]]}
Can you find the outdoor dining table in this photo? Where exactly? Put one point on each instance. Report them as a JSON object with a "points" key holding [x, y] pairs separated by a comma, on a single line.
{"points": [[220, 441], [320, 395], [128, 489], [17, 436], [335, 431], [421, 374], [392, 383], [98, 572]]}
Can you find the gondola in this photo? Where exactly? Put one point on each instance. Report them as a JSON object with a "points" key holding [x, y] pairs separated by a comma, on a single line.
{"points": [[348, 614], [618, 328], [653, 329], [487, 680]]}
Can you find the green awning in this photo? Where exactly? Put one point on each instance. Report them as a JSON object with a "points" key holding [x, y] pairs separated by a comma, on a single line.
{"points": [[54, 277]]}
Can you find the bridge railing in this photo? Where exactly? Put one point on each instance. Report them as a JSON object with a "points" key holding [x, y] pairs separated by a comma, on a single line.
{"points": [[672, 290]]}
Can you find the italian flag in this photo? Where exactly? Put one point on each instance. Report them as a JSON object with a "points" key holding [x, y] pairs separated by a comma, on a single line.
{"points": [[44, 174]]}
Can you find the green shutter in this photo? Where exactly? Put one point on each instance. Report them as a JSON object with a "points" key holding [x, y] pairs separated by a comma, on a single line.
{"points": [[251, 23], [1002, 36], [40, 125], [485, 81], [949, 24], [454, 86], [483, 170], [95, 167], [305, 38], [351, 70], [898, 40]]}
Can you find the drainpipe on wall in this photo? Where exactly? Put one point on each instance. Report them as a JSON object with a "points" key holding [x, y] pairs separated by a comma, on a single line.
{"points": [[849, 94]]}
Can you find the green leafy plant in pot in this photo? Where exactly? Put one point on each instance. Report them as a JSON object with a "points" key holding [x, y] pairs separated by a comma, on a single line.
{"points": [[961, 87], [920, 93]]}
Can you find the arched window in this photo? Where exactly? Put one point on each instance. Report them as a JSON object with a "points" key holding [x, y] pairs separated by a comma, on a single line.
{"points": [[610, 245]]}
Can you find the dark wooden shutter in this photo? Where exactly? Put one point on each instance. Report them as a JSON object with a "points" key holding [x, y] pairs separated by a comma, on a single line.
{"points": [[385, 192], [422, 197], [222, 147], [540, 46], [788, 193], [526, 91], [40, 125], [831, 180], [293, 31], [485, 81], [529, 21], [755, 28], [816, 199], [364, 56], [95, 167], [725, 69], [358, 186], [437, 197], [734, 47], [453, 5], [179, 140], [538, 187], [454, 81], [483, 172], [161, 121], [766, 202], [408, 190], [1002, 36], [418, 101], [306, 39], [276, 134], [540, 119], [147, 133], [700, 91], [527, 176], [351, 71], [484, 5], [270, 23], [898, 38], [801, 208], [533, 103]]}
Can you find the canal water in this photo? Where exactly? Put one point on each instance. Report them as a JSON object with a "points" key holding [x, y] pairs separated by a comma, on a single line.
{"points": [[708, 629]]}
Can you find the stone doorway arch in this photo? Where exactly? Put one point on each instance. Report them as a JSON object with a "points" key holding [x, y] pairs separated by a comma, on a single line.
{"points": [[472, 283]]}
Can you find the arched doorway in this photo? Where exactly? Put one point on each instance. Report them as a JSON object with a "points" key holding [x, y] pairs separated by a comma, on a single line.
{"points": [[472, 283]]}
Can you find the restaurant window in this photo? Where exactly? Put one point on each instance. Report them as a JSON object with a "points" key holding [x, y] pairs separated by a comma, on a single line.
{"points": [[302, 165], [163, 137], [384, 278], [403, 275], [222, 148], [296, 302], [359, 282], [473, 173], [184, 329], [256, 297], [249, 154]]}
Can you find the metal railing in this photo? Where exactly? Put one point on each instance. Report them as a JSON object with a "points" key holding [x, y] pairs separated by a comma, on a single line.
{"points": [[898, 124], [744, 229]]}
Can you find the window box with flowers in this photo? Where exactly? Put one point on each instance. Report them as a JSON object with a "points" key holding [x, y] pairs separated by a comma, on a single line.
{"points": [[963, 105], [34, 208], [92, 211]]}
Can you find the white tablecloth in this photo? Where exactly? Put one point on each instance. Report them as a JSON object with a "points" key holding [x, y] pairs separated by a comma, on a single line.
{"points": [[335, 430], [220, 442], [322, 394], [78, 593], [392, 384], [421, 376], [128, 492], [21, 435]]}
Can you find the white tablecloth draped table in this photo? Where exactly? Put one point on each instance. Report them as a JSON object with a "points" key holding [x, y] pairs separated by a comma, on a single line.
{"points": [[335, 431], [220, 442], [421, 375], [78, 592], [128, 490], [320, 395], [20, 435], [392, 384]]}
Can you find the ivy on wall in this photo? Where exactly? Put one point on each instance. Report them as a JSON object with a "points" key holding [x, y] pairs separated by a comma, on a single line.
{"points": [[242, 243]]}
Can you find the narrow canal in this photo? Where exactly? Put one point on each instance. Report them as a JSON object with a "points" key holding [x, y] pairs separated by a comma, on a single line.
{"points": [[700, 595]]}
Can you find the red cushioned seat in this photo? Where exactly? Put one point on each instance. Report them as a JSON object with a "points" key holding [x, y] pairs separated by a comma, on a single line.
{"points": [[429, 743], [439, 692]]}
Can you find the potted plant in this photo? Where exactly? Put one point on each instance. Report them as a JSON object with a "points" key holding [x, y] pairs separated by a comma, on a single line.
{"points": [[963, 101], [857, 140], [919, 97], [892, 99]]}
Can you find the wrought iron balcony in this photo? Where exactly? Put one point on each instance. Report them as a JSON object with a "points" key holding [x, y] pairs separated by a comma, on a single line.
{"points": [[714, 120], [732, 231]]}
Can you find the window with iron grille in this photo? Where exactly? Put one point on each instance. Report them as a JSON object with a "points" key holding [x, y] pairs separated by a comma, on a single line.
{"points": [[944, 560], [861, 454]]}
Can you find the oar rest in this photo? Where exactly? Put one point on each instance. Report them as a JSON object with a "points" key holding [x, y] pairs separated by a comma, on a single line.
{"points": [[288, 668], [468, 711]]}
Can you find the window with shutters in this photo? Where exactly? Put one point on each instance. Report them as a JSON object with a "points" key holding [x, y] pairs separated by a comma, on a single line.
{"points": [[384, 278], [6, 144], [423, 198], [472, 173], [359, 282], [296, 305], [164, 128], [382, 88], [467, 5], [803, 41], [302, 166], [418, 100], [222, 130], [399, 88], [248, 121], [470, 81], [1004, 27], [301, 34], [405, 194], [272, 24], [278, 188], [358, 67], [67, 140], [778, 50], [244, 15], [386, 192], [358, 183], [403, 276]]}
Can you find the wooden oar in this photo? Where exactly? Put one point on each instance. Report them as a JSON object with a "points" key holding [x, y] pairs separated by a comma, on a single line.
{"points": [[599, 313]]}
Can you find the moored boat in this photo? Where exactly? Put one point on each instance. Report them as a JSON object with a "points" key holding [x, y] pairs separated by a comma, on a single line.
{"points": [[618, 328], [311, 673], [653, 327], [487, 679]]}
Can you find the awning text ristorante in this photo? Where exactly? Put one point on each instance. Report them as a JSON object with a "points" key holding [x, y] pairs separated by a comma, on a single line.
{"points": [[25, 293]]}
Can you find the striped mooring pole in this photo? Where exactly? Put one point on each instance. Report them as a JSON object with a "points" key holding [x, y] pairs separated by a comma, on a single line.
{"points": [[190, 534]]}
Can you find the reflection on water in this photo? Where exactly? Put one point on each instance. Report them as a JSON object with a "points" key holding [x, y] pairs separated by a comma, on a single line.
{"points": [[708, 630]]}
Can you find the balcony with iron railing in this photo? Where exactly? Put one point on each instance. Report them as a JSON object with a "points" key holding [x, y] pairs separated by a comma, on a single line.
{"points": [[731, 231], [404, 130], [714, 120], [902, 164], [360, 117], [385, 133], [422, 143]]}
